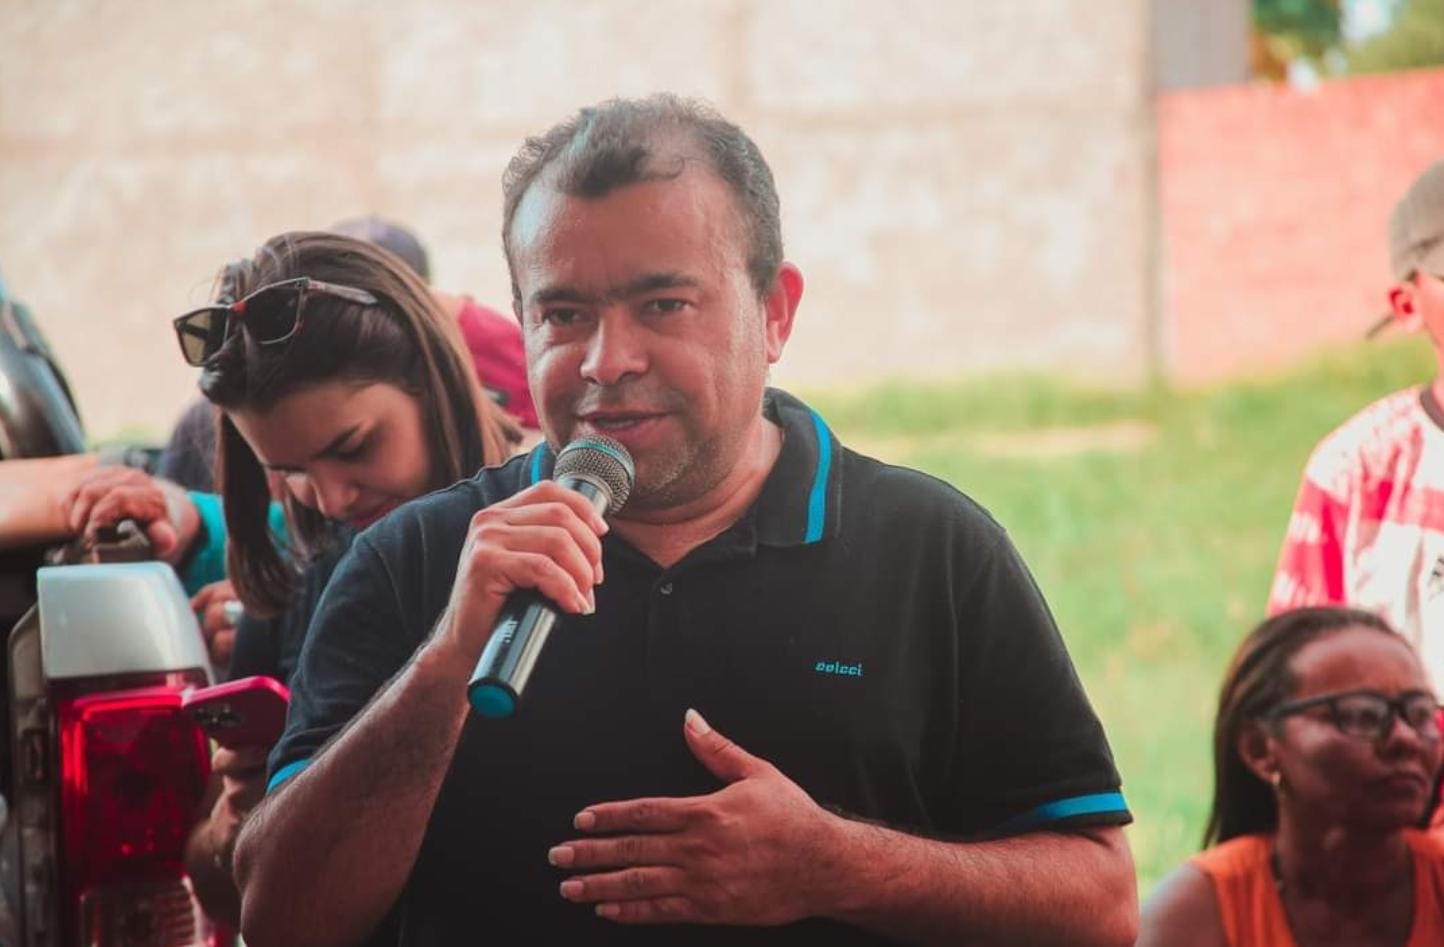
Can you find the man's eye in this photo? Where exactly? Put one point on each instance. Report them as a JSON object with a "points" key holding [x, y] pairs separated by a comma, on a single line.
{"points": [[562, 317], [665, 306]]}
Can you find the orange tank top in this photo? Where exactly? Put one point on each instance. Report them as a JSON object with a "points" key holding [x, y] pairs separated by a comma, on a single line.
{"points": [[1253, 914]]}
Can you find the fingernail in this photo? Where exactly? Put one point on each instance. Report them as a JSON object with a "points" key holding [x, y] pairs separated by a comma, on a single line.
{"points": [[591, 601], [561, 855], [571, 889], [585, 821], [608, 910], [696, 724]]}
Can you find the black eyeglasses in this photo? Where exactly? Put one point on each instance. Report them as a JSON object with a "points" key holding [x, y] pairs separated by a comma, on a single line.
{"points": [[270, 315], [1368, 715]]}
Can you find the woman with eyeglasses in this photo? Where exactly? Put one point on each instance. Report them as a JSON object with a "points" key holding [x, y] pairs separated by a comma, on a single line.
{"points": [[343, 390], [1326, 754]]}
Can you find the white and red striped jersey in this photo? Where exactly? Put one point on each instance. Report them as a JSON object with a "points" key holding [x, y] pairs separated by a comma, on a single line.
{"points": [[1368, 526]]}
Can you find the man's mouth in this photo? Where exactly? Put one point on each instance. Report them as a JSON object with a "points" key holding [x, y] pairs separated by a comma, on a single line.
{"points": [[611, 422]]}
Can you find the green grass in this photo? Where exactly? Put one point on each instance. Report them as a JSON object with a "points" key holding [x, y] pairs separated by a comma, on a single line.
{"points": [[1156, 554]]}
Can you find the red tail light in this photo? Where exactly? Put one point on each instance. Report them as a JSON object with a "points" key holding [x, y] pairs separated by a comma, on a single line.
{"points": [[133, 771]]}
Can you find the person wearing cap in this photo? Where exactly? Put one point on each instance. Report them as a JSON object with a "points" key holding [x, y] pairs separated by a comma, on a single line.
{"points": [[1368, 526]]}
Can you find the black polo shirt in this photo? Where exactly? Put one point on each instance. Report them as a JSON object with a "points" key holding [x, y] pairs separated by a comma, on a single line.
{"points": [[866, 628]]}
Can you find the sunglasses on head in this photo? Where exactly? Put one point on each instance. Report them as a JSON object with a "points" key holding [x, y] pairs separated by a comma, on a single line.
{"points": [[270, 315]]}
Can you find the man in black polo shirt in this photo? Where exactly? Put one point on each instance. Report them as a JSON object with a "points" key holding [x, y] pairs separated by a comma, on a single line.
{"points": [[914, 758]]}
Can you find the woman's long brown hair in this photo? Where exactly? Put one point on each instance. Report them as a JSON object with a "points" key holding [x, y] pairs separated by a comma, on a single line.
{"points": [[405, 340]]}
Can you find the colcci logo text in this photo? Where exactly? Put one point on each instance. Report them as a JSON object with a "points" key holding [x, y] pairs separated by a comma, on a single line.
{"points": [[833, 667]]}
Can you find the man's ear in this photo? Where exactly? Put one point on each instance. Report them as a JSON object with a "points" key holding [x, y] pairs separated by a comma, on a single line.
{"points": [[1255, 748], [1402, 306], [780, 306]]}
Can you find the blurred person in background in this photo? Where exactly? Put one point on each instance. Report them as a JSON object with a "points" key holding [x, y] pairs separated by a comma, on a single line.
{"points": [[1368, 526], [348, 395], [1326, 750]]}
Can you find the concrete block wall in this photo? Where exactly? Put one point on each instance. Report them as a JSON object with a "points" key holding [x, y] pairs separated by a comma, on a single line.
{"points": [[963, 183]]}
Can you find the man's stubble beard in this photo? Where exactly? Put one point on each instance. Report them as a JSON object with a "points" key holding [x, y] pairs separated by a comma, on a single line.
{"points": [[677, 478], [689, 474]]}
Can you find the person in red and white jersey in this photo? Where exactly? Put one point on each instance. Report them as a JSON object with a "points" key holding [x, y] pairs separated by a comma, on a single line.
{"points": [[1368, 525]]}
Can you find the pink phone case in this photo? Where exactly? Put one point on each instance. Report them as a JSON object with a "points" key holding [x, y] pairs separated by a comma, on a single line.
{"points": [[243, 713]]}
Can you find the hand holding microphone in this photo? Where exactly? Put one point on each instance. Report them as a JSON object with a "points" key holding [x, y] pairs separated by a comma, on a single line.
{"points": [[546, 557]]}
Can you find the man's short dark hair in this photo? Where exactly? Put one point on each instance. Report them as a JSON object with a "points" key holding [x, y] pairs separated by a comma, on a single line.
{"points": [[627, 141]]}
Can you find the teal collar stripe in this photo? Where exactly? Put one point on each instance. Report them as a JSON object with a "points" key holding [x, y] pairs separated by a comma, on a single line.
{"points": [[817, 500], [285, 773], [536, 462], [1097, 804]]}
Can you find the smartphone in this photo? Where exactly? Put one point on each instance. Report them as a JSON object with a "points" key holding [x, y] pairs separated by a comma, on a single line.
{"points": [[243, 713]]}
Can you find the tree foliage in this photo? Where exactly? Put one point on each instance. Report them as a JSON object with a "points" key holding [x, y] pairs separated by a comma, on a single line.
{"points": [[1297, 28], [1415, 39], [1289, 30]]}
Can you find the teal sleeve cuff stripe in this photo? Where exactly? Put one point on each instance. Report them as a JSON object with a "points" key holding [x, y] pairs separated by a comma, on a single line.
{"points": [[817, 502], [207, 563], [1097, 804], [285, 773]]}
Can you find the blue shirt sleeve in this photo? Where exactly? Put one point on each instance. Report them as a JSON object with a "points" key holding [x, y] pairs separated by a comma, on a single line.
{"points": [[207, 561]]}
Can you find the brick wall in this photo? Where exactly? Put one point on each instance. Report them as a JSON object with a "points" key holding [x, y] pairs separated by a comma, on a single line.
{"points": [[1274, 204]]}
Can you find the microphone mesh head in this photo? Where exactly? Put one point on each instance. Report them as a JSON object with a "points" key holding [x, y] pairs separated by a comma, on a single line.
{"points": [[600, 458]]}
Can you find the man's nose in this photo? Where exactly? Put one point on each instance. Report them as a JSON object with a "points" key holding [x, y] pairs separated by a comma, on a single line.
{"points": [[615, 350]]}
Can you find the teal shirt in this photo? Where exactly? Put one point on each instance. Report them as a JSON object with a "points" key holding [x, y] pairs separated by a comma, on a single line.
{"points": [[207, 560]]}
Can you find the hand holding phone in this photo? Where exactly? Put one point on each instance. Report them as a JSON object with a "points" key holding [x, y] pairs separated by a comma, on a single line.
{"points": [[250, 712]]}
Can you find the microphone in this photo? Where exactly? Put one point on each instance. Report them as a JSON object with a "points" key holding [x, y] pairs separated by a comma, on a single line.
{"points": [[601, 470]]}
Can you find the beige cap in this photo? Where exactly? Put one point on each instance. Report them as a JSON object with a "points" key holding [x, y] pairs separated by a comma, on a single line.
{"points": [[1416, 228]]}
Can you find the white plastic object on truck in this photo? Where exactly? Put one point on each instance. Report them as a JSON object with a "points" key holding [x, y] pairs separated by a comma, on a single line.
{"points": [[118, 618]]}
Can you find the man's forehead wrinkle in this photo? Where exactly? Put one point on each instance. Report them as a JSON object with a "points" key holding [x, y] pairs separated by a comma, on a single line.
{"points": [[549, 222]]}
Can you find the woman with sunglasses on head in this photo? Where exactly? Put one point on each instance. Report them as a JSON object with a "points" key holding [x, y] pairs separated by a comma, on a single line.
{"points": [[1326, 753], [344, 390], [279, 356]]}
